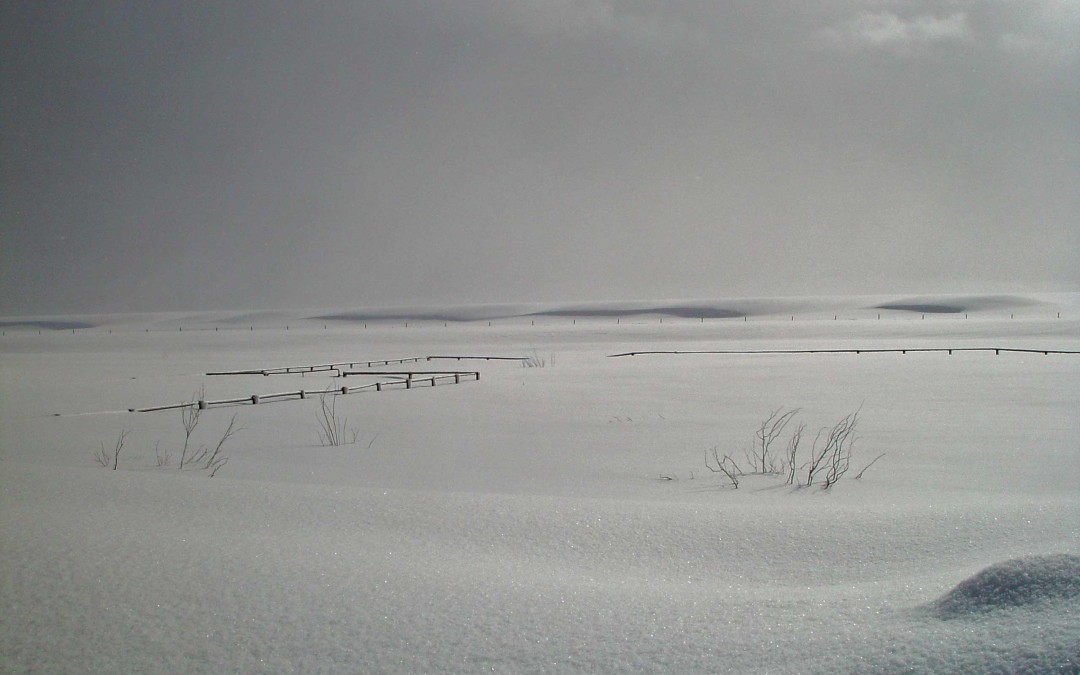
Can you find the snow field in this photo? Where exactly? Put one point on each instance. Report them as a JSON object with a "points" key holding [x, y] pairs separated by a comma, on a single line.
{"points": [[520, 524]]}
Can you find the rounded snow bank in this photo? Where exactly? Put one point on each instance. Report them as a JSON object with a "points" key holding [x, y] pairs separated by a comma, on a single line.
{"points": [[1013, 583]]}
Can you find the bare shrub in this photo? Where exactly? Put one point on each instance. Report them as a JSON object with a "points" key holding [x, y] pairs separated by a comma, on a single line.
{"points": [[163, 457], [534, 360], [333, 431], [189, 416], [830, 455], [834, 456], [725, 465], [212, 460], [106, 457]]}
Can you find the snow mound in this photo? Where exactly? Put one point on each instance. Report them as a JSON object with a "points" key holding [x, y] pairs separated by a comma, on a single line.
{"points": [[957, 305], [680, 311], [1013, 583], [46, 324]]}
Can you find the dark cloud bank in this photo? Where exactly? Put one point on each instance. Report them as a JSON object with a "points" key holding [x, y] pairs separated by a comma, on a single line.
{"points": [[166, 156]]}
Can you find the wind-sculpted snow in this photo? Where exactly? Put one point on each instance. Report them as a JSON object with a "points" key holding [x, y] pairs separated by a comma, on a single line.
{"points": [[1013, 583]]}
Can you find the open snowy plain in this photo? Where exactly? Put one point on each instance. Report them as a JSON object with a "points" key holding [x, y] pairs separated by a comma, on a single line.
{"points": [[556, 518]]}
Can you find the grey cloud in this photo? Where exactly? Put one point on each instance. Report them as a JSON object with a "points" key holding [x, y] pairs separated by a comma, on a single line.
{"points": [[887, 30], [206, 155], [1047, 29], [645, 24]]}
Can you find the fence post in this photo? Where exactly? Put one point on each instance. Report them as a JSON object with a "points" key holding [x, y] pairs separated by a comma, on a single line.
{"points": [[202, 404], [254, 399]]}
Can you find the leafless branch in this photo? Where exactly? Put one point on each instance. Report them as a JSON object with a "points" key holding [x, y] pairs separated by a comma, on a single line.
{"points": [[768, 432], [859, 475], [792, 451]]}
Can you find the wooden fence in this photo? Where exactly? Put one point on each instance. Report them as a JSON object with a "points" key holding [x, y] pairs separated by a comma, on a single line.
{"points": [[410, 381], [403, 379]]}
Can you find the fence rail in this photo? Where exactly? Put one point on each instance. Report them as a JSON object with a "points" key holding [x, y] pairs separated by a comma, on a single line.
{"points": [[893, 350], [480, 358], [319, 368], [338, 367]]}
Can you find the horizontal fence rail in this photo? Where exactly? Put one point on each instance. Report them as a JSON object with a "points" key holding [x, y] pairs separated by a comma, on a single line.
{"points": [[480, 358], [430, 379], [320, 368], [894, 350], [337, 367]]}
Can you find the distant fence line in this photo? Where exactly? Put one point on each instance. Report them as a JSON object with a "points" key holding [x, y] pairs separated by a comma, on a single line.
{"points": [[949, 350]]}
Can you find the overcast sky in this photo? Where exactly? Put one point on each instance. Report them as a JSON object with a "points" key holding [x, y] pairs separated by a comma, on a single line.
{"points": [[215, 155]]}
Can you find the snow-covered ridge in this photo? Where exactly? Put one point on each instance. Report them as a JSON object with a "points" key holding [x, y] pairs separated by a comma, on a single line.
{"points": [[1045, 304]]}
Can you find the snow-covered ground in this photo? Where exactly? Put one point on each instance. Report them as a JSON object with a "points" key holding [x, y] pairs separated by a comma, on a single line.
{"points": [[557, 518]]}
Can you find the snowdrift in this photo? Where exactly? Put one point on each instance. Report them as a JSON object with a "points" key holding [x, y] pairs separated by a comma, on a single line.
{"points": [[1013, 583]]}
